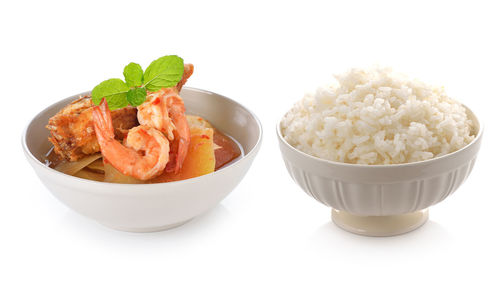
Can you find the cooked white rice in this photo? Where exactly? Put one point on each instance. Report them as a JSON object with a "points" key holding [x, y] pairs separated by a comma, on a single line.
{"points": [[377, 117]]}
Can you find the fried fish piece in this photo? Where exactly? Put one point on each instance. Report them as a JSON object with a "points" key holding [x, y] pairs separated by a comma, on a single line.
{"points": [[72, 131]]}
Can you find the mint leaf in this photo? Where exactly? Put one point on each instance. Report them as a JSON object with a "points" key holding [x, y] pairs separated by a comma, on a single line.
{"points": [[136, 96], [133, 75], [163, 72], [115, 92]]}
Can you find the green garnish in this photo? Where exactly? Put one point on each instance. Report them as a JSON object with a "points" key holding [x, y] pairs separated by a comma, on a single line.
{"points": [[163, 72], [136, 96], [115, 92], [133, 75]]}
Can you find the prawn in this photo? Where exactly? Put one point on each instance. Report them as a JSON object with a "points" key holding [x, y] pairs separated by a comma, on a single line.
{"points": [[144, 153], [164, 110]]}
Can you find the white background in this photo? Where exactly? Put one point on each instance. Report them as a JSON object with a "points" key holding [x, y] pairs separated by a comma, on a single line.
{"points": [[265, 55]]}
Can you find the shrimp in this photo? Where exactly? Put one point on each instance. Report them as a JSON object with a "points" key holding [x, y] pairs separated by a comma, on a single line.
{"points": [[144, 153], [164, 110]]}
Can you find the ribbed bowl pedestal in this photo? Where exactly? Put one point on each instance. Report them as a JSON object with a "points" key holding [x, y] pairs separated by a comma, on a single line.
{"points": [[380, 226]]}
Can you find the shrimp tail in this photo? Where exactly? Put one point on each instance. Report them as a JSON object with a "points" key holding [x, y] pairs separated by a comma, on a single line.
{"points": [[188, 71], [103, 125]]}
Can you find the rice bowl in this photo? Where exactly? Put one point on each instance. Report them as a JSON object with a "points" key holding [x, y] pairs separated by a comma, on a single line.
{"points": [[379, 149]]}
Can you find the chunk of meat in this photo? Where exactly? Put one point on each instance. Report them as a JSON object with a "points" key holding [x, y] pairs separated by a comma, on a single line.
{"points": [[72, 131]]}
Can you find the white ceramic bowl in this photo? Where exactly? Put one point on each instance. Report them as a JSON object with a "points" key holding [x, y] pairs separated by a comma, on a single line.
{"points": [[151, 207], [381, 200]]}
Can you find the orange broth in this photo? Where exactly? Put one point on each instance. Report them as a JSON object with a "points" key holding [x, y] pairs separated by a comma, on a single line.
{"points": [[226, 151]]}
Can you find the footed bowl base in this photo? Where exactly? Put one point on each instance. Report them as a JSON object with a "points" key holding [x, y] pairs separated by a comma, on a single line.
{"points": [[380, 226]]}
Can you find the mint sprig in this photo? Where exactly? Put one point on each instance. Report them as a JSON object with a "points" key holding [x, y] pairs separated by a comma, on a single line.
{"points": [[163, 72]]}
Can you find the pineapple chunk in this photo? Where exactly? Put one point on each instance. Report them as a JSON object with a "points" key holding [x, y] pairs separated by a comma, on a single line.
{"points": [[200, 159]]}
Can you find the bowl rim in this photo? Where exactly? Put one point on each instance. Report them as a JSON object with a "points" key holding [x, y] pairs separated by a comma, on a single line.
{"points": [[409, 164], [253, 151]]}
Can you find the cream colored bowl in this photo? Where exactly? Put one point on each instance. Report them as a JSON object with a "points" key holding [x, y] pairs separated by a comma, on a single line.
{"points": [[151, 207], [381, 200]]}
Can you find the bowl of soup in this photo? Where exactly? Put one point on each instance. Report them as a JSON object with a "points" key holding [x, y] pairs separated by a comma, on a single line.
{"points": [[163, 204]]}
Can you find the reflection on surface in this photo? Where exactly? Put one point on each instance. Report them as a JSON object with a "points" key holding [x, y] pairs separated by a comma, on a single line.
{"points": [[182, 236], [431, 234]]}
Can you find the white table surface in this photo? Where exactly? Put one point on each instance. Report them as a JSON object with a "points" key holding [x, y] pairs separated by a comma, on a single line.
{"points": [[265, 56]]}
